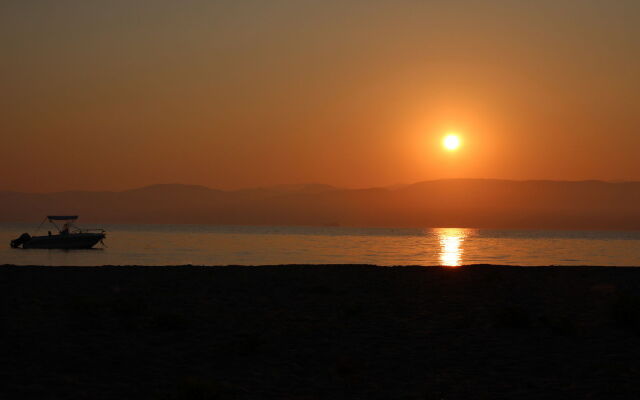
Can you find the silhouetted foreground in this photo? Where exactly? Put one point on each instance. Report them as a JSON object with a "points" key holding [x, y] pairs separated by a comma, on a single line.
{"points": [[312, 332]]}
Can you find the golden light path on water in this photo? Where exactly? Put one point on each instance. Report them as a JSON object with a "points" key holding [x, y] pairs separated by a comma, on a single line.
{"points": [[451, 245], [213, 245]]}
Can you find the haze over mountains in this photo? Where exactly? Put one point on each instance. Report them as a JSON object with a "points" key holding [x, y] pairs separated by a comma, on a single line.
{"points": [[444, 203]]}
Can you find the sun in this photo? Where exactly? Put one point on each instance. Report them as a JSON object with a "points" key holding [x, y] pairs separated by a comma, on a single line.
{"points": [[451, 142]]}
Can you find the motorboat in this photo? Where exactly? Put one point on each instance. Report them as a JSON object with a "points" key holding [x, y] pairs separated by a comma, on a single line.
{"points": [[69, 236]]}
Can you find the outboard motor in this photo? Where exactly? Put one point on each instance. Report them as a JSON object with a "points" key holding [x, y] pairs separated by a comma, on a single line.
{"points": [[25, 237]]}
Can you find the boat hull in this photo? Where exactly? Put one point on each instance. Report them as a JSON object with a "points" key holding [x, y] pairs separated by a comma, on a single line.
{"points": [[70, 241]]}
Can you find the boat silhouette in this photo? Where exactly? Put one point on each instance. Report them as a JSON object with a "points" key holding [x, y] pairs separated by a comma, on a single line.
{"points": [[69, 236]]}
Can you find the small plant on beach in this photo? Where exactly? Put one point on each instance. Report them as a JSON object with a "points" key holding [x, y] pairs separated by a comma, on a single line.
{"points": [[200, 389], [129, 310], [85, 312], [245, 344], [129, 306], [625, 312], [513, 317], [170, 321], [558, 325]]}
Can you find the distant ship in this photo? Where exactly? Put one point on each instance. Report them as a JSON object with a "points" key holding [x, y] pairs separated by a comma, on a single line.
{"points": [[68, 237]]}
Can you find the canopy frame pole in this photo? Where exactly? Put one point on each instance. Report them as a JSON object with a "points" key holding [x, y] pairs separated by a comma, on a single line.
{"points": [[69, 220], [40, 226], [54, 224]]}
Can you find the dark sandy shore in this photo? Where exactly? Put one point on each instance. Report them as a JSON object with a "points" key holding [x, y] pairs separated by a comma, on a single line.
{"points": [[319, 332]]}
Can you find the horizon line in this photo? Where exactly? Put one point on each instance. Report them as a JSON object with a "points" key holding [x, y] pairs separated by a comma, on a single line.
{"points": [[266, 187]]}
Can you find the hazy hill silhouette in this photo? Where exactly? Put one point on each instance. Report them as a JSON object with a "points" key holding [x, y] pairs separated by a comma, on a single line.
{"points": [[459, 203]]}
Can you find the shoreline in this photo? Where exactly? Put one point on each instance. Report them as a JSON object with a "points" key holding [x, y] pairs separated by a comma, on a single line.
{"points": [[373, 266]]}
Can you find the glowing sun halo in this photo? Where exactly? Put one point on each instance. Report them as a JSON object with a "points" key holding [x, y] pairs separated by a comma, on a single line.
{"points": [[451, 142]]}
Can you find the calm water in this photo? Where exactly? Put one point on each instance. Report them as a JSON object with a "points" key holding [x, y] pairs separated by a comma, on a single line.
{"points": [[223, 245]]}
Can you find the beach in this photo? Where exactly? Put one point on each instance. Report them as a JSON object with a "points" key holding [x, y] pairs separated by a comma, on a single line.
{"points": [[319, 332]]}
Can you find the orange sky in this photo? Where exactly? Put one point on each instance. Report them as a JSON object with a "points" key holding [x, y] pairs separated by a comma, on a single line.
{"points": [[120, 94]]}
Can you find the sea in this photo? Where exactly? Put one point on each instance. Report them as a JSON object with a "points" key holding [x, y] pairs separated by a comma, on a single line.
{"points": [[212, 245]]}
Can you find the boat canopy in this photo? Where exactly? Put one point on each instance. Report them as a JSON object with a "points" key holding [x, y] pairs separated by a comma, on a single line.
{"points": [[62, 217]]}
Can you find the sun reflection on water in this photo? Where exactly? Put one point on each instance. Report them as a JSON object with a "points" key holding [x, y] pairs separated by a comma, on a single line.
{"points": [[451, 241]]}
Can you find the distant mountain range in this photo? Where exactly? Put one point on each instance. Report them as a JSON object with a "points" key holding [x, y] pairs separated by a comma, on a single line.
{"points": [[444, 203]]}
